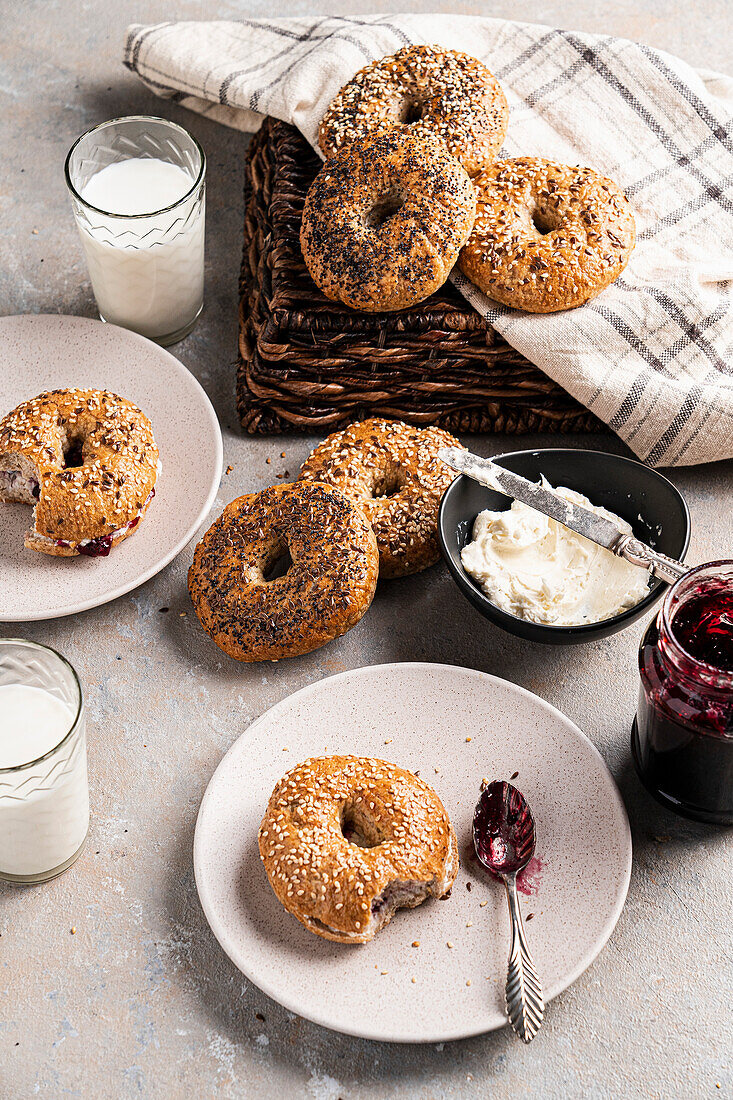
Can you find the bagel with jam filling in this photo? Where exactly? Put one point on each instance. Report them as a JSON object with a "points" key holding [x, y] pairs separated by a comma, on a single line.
{"points": [[87, 461]]}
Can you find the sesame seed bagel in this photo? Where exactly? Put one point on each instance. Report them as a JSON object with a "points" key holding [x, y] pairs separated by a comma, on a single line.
{"points": [[332, 563], [392, 471], [433, 91], [384, 221], [347, 840], [87, 460], [547, 236]]}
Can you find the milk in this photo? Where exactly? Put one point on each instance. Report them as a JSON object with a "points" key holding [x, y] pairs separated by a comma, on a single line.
{"points": [[44, 807], [137, 186], [147, 269]]}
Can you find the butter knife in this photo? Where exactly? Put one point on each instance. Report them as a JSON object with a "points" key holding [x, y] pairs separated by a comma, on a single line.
{"points": [[597, 528]]}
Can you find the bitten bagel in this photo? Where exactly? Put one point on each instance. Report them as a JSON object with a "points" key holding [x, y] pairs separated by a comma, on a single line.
{"points": [[384, 221], [547, 236], [431, 91], [256, 612], [392, 471], [347, 840], [87, 460]]}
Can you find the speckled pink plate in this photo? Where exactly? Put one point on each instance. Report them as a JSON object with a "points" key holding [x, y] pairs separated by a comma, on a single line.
{"points": [[45, 352], [454, 725]]}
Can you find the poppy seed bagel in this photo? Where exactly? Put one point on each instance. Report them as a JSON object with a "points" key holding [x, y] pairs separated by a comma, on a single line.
{"points": [[255, 611], [384, 221]]}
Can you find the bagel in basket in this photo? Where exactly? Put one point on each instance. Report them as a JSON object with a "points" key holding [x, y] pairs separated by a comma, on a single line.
{"points": [[547, 236], [432, 92], [384, 221]]}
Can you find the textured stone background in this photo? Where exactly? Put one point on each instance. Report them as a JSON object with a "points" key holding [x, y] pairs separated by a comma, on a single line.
{"points": [[141, 1001]]}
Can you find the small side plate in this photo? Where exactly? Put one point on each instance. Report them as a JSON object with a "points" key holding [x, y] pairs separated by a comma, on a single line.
{"points": [[46, 352]]}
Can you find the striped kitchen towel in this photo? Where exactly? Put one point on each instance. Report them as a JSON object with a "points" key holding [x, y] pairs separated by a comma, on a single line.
{"points": [[651, 356]]}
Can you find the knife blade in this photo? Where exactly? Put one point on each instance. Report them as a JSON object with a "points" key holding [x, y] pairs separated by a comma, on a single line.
{"points": [[599, 529]]}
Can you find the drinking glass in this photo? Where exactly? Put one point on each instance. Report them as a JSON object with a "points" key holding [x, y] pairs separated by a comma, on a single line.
{"points": [[147, 270], [44, 803]]}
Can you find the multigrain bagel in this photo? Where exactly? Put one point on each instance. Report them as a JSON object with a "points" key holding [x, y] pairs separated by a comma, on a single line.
{"points": [[384, 221], [87, 460], [430, 90], [547, 236], [251, 608], [391, 470], [347, 840]]}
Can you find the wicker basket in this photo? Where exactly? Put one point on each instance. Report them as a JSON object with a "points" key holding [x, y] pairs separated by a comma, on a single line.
{"points": [[309, 364]]}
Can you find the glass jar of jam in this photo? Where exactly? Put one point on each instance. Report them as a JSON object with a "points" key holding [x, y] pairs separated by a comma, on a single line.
{"points": [[682, 740]]}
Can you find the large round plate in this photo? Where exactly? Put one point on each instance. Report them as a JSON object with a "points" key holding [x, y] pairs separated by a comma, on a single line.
{"points": [[455, 726], [49, 352]]}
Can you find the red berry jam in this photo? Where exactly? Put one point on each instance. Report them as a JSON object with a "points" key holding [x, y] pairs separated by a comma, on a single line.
{"points": [[683, 734], [96, 548], [703, 625], [503, 828]]}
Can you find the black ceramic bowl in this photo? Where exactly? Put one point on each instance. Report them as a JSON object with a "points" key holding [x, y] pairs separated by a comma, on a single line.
{"points": [[651, 504]]}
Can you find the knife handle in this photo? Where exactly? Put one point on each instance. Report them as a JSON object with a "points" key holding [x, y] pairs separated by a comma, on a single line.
{"points": [[638, 553]]}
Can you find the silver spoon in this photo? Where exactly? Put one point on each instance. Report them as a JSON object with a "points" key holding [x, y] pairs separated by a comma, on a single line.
{"points": [[504, 839]]}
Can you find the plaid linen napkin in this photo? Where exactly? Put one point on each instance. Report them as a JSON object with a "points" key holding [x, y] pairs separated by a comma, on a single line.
{"points": [[651, 356]]}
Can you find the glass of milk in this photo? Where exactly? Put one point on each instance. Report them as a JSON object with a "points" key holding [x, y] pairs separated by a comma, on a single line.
{"points": [[44, 794], [137, 189]]}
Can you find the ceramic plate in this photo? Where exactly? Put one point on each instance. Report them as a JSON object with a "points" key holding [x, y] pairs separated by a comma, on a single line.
{"points": [[50, 352], [454, 726]]}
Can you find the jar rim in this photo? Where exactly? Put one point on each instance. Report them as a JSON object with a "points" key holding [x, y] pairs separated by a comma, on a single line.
{"points": [[672, 600]]}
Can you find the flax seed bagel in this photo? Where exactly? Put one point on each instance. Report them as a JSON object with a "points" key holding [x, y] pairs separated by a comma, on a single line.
{"points": [[547, 236], [332, 563], [384, 221], [347, 840], [87, 460], [429, 90], [391, 470]]}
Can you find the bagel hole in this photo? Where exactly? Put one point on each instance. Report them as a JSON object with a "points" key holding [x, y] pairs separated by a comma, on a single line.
{"points": [[358, 828], [544, 221], [73, 454], [411, 110], [277, 564], [387, 483], [383, 209]]}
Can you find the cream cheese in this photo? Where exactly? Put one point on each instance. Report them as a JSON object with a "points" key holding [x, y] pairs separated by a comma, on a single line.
{"points": [[531, 566]]}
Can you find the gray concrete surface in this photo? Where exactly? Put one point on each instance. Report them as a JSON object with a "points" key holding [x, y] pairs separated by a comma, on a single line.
{"points": [[141, 1002]]}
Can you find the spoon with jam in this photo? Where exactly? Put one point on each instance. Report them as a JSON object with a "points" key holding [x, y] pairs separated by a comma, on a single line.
{"points": [[504, 839]]}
